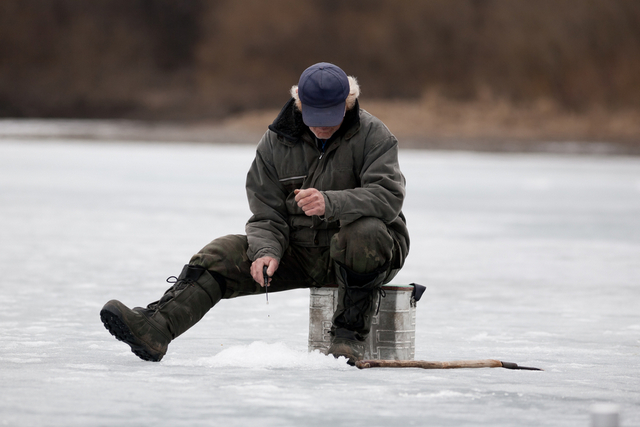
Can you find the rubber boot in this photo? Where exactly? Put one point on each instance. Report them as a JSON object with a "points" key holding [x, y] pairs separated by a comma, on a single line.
{"points": [[148, 331], [356, 308]]}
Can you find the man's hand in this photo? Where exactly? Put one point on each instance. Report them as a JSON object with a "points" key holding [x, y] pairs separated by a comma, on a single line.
{"points": [[311, 201], [257, 268]]}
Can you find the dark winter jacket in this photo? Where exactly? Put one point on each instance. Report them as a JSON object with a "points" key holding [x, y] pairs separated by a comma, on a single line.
{"points": [[358, 174]]}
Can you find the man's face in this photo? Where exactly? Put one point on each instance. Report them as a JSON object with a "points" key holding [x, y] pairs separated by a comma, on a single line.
{"points": [[324, 132]]}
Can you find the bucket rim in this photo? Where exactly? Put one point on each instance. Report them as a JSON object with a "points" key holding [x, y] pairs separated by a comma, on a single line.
{"points": [[387, 287]]}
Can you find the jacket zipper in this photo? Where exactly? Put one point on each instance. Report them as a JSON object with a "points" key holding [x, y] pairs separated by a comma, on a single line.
{"points": [[324, 144]]}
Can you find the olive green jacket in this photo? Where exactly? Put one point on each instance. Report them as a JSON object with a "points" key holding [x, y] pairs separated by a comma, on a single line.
{"points": [[358, 174]]}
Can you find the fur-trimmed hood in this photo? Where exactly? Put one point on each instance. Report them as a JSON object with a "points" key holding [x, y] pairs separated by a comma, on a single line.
{"points": [[354, 94], [289, 123]]}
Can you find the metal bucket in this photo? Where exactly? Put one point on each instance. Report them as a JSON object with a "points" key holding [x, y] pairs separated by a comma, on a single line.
{"points": [[393, 329]]}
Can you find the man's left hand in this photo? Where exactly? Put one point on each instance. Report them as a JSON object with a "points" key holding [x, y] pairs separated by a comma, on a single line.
{"points": [[311, 201]]}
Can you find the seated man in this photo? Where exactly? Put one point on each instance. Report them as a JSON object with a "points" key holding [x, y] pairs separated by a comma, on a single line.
{"points": [[326, 194]]}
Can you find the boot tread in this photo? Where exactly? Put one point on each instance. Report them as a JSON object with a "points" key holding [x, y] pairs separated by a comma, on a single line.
{"points": [[121, 332]]}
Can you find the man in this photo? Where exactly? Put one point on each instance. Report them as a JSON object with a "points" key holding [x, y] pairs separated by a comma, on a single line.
{"points": [[326, 193]]}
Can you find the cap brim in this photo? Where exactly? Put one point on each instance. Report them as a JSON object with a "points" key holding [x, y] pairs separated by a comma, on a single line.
{"points": [[323, 117]]}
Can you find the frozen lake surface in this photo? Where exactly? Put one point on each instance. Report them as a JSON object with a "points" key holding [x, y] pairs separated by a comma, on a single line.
{"points": [[533, 259]]}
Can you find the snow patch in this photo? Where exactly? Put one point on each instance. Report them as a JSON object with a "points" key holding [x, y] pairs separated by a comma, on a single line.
{"points": [[262, 355]]}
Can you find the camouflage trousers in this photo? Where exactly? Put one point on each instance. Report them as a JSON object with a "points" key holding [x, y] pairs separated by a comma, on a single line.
{"points": [[364, 246]]}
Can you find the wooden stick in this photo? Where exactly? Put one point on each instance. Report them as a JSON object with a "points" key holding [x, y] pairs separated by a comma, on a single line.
{"points": [[488, 363]]}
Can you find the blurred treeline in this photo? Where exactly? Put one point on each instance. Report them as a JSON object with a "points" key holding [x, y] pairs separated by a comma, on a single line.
{"points": [[195, 59]]}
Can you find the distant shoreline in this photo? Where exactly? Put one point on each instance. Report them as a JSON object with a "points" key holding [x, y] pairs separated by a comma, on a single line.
{"points": [[249, 127]]}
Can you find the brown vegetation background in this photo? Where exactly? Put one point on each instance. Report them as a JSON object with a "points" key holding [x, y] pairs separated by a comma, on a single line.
{"points": [[438, 70]]}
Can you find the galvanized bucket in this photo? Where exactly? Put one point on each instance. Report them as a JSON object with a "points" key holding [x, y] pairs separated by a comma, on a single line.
{"points": [[393, 329]]}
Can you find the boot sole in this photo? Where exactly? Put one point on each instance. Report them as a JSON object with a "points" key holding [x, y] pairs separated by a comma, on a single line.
{"points": [[116, 327]]}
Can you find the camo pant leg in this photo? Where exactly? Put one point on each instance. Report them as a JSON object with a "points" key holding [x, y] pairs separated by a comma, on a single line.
{"points": [[300, 267], [364, 246]]}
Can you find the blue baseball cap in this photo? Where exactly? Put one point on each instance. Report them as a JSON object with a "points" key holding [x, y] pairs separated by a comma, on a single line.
{"points": [[323, 89]]}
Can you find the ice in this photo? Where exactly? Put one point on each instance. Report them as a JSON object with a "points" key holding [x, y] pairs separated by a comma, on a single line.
{"points": [[532, 259]]}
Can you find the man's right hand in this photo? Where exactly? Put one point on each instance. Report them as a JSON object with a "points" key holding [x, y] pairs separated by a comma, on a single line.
{"points": [[257, 269], [311, 201]]}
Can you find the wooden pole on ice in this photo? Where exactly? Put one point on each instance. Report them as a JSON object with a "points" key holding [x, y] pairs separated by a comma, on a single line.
{"points": [[488, 363]]}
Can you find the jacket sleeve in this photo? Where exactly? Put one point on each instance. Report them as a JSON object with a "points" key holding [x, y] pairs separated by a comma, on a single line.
{"points": [[382, 187], [267, 229]]}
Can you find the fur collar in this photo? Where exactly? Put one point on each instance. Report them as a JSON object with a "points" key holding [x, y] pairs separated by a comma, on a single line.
{"points": [[289, 124]]}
